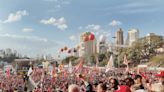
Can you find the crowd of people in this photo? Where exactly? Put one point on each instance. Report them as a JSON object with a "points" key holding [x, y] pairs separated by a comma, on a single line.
{"points": [[11, 83], [88, 80]]}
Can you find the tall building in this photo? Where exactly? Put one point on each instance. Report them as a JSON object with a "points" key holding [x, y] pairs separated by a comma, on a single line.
{"points": [[133, 35], [150, 36], [119, 37], [87, 46]]}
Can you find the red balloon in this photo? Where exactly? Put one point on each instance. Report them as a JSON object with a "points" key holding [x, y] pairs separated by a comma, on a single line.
{"points": [[91, 36]]}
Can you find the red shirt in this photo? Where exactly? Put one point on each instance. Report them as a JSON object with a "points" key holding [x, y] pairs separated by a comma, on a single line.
{"points": [[49, 90], [123, 88]]}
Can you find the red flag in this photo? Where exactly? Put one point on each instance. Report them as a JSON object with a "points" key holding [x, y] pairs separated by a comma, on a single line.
{"points": [[127, 68], [79, 66], [8, 72]]}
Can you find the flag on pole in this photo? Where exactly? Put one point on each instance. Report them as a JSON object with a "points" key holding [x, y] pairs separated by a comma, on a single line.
{"points": [[53, 70], [70, 67], [110, 64], [8, 72], [125, 60], [79, 67], [97, 61], [29, 71], [60, 68], [127, 68]]}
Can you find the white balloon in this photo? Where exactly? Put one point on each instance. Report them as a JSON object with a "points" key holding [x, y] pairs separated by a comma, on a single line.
{"points": [[102, 38]]}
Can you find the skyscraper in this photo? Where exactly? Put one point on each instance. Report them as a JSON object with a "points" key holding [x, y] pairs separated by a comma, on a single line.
{"points": [[133, 35], [119, 37], [87, 46]]}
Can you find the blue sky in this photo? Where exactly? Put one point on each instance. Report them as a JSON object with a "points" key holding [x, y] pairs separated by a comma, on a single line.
{"points": [[43, 26]]}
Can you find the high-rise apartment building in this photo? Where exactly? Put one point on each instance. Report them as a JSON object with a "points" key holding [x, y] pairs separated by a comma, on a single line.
{"points": [[119, 37], [133, 35], [87, 46]]}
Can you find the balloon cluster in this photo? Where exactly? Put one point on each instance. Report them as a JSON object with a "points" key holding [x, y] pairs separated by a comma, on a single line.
{"points": [[66, 49], [88, 36]]}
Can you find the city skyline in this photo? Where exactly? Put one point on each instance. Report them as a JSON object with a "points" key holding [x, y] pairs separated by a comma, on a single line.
{"points": [[44, 26]]}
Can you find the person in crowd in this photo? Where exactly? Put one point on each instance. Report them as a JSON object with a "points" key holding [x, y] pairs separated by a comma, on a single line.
{"points": [[73, 88], [97, 81], [124, 86], [25, 78], [89, 87], [95, 84], [138, 85], [15, 90], [129, 81], [101, 87], [159, 86], [113, 84]]}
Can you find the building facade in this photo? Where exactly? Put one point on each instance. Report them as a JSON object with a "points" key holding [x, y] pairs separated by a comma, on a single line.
{"points": [[119, 37], [133, 35], [87, 47]]}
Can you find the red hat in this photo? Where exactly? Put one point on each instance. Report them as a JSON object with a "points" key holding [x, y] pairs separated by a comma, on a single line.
{"points": [[160, 74]]}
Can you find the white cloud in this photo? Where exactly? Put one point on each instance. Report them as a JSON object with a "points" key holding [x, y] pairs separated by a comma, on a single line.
{"points": [[32, 38], [142, 10], [1, 21], [96, 29], [13, 17], [57, 5], [59, 2], [133, 8], [72, 38], [49, 21], [93, 27], [134, 5], [59, 23], [27, 30], [29, 45], [80, 28], [115, 23], [51, 0], [107, 33]]}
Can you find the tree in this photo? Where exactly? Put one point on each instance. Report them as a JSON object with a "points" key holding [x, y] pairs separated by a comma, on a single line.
{"points": [[101, 57], [145, 47], [157, 60], [141, 50], [93, 59], [70, 58]]}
